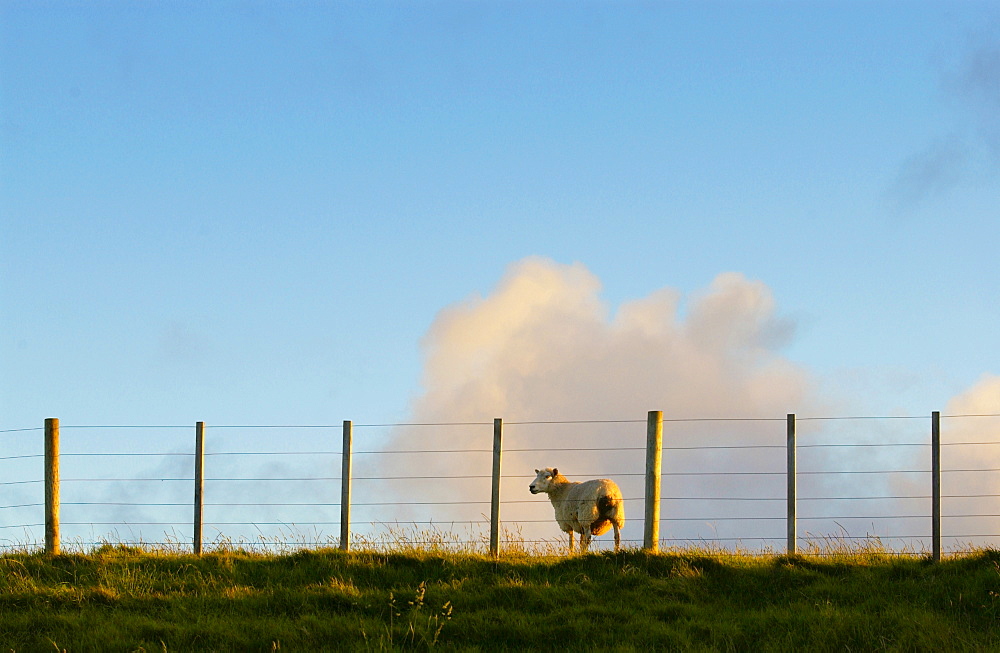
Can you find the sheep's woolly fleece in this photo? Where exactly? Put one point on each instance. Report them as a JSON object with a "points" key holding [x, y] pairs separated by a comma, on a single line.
{"points": [[588, 508]]}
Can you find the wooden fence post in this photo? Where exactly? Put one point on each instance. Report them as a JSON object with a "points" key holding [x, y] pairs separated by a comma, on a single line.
{"points": [[936, 486], [791, 546], [199, 485], [52, 486], [654, 455], [495, 497], [345, 486]]}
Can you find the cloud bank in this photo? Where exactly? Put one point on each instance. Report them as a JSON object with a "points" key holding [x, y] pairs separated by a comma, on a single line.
{"points": [[970, 460], [544, 347]]}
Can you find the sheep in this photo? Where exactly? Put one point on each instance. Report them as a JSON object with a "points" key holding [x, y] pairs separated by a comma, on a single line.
{"points": [[588, 508]]}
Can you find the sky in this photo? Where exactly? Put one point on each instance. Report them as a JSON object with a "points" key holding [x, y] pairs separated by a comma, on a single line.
{"points": [[255, 213]]}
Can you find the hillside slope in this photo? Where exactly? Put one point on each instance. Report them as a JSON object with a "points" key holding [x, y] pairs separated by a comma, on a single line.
{"points": [[118, 598]]}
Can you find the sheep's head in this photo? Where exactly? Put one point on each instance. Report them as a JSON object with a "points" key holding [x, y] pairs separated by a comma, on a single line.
{"points": [[544, 481]]}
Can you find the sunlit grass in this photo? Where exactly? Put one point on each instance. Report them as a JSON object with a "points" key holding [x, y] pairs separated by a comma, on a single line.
{"points": [[417, 589]]}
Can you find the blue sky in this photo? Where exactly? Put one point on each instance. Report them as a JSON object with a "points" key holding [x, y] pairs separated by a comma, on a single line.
{"points": [[253, 212]]}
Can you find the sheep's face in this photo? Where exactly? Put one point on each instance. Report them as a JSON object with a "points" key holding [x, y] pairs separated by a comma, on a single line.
{"points": [[543, 482]]}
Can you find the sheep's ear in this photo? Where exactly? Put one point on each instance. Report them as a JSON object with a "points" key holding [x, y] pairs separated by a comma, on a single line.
{"points": [[555, 472], [536, 471]]}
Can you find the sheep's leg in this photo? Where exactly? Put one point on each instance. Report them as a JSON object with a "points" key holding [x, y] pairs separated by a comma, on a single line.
{"points": [[571, 541], [584, 541], [618, 537]]}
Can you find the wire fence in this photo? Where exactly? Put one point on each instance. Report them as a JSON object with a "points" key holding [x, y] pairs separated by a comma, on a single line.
{"points": [[861, 481]]}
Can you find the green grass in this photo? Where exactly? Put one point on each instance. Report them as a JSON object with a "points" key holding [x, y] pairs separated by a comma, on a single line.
{"points": [[119, 598]]}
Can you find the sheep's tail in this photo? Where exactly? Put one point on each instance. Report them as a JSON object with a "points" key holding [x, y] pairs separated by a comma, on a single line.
{"points": [[607, 509], [607, 506]]}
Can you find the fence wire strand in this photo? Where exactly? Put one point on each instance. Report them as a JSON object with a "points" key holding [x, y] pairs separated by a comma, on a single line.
{"points": [[415, 502]]}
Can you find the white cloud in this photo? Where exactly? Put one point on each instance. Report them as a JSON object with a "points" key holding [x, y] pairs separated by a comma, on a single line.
{"points": [[970, 463], [543, 346]]}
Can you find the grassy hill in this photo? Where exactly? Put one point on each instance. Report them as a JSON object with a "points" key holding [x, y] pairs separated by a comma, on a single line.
{"points": [[125, 599]]}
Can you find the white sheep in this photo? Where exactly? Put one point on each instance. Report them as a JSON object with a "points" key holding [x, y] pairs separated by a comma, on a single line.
{"points": [[588, 508]]}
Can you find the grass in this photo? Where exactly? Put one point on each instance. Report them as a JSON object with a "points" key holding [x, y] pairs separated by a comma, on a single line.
{"points": [[127, 598]]}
